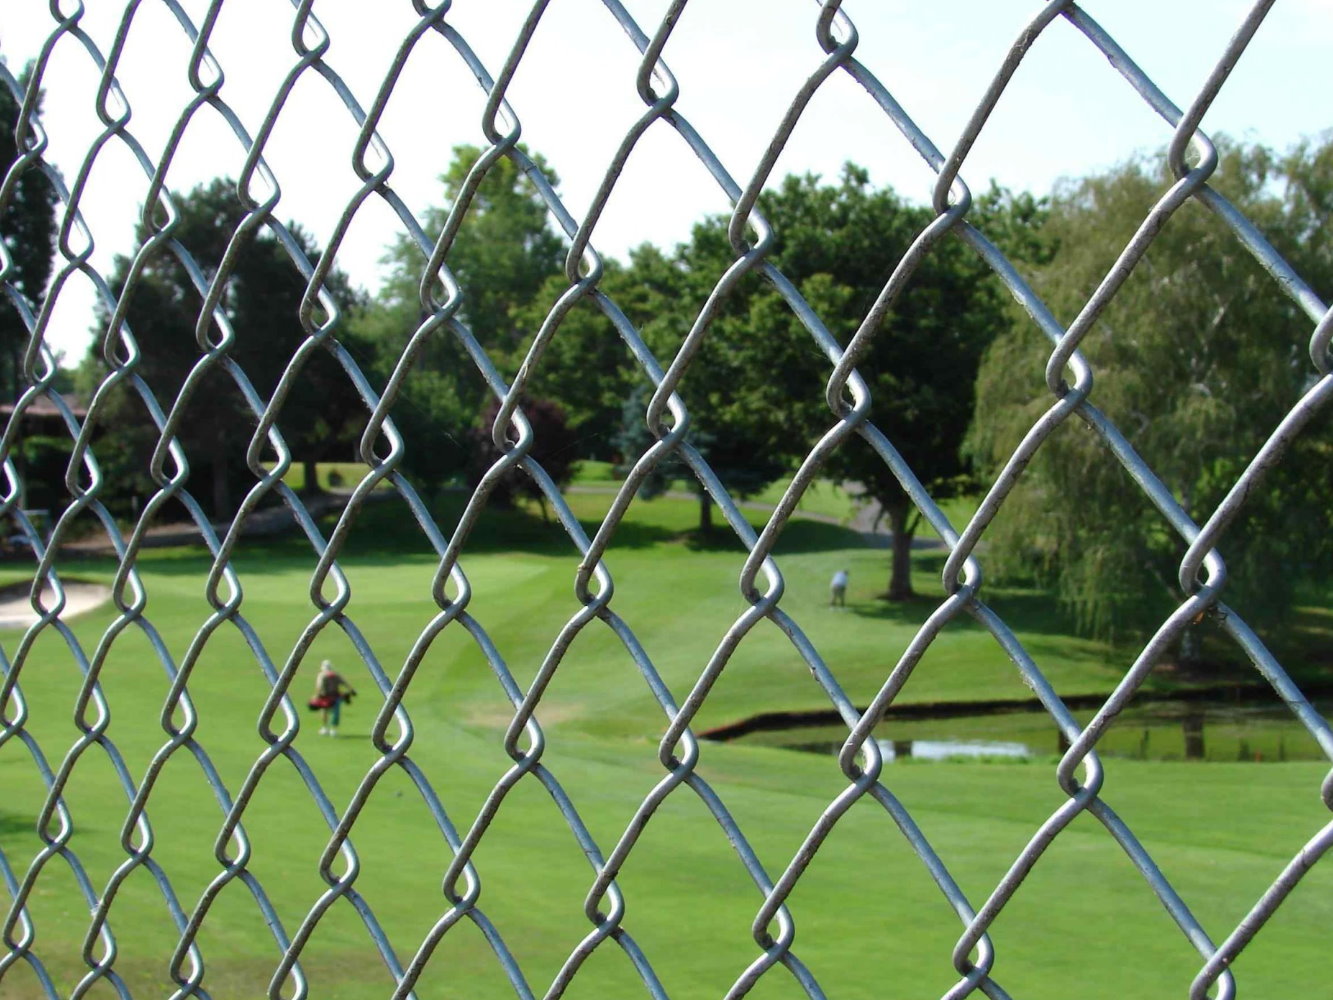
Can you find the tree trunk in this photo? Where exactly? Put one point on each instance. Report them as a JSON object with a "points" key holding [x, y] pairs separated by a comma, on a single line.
{"points": [[1192, 724], [311, 469], [705, 514], [221, 490], [1190, 654], [14, 392], [900, 575]]}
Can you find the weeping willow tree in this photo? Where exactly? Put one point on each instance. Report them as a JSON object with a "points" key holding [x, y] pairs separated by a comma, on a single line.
{"points": [[1196, 360]]}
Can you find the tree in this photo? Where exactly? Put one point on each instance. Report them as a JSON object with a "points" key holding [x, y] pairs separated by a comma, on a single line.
{"points": [[746, 385], [838, 244], [552, 449], [262, 305], [1197, 358], [28, 228], [504, 251], [587, 366], [503, 254], [739, 389], [755, 389]]}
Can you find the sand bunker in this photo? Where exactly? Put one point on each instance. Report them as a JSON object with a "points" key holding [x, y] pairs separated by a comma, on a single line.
{"points": [[16, 608]]}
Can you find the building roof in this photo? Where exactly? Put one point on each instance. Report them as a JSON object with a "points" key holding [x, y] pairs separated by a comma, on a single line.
{"points": [[43, 408]]}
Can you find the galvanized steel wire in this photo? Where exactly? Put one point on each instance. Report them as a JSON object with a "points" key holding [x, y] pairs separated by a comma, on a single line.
{"points": [[1069, 380]]}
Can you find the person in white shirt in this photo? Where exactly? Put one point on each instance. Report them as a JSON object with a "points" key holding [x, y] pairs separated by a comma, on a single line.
{"points": [[838, 589]]}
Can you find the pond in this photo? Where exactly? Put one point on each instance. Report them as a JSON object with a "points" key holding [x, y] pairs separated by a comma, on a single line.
{"points": [[1216, 731]]}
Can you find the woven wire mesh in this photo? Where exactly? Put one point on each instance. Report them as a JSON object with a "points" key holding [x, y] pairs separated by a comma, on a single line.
{"points": [[412, 951]]}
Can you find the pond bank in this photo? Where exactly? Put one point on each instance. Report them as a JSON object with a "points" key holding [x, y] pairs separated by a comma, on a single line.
{"points": [[779, 721]]}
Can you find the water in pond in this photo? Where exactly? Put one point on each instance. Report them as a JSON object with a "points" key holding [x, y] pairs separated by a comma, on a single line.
{"points": [[1157, 731]]}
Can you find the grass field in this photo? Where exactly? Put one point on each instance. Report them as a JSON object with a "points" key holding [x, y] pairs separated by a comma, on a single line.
{"points": [[870, 923], [331, 476]]}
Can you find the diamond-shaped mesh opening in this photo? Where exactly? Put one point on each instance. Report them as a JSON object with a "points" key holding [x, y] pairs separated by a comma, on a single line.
{"points": [[529, 808]]}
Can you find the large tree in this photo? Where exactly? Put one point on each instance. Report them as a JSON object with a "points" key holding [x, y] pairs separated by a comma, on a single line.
{"points": [[262, 305], [1196, 359], [553, 448], [755, 388], [586, 365], [839, 243], [502, 254], [737, 388], [745, 387], [28, 228]]}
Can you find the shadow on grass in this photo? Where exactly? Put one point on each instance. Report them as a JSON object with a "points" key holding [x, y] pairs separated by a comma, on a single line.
{"points": [[1026, 609], [387, 529], [385, 532], [13, 826], [798, 536], [1302, 640]]}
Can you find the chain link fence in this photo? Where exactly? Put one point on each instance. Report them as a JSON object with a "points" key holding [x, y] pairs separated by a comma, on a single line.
{"points": [[109, 881]]}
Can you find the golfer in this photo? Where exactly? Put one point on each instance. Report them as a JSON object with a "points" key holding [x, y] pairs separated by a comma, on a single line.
{"points": [[838, 590], [331, 690]]}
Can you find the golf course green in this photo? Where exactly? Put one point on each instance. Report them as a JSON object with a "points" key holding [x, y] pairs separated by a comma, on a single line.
{"points": [[870, 922]]}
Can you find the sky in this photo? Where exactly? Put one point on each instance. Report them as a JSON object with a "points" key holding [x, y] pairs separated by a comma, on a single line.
{"points": [[1066, 113]]}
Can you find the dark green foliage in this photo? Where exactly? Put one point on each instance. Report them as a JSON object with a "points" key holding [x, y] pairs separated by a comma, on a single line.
{"points": [[633, 438], [320, 418], [736, 386], [28, 228], [1016, 223], [755, 389], [739, 390], [428, 412], [1196, 360], [43, 460], [503, 253], [502, 256], [839, 244], [587, 365], [552, 448]]}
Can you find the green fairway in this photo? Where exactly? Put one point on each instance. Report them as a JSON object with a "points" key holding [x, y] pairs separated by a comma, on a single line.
{"points": [[823, 499], [331, 476], [870, 922]]}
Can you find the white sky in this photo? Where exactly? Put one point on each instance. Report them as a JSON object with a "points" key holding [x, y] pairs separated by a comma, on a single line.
{"points": [[738, 62]]}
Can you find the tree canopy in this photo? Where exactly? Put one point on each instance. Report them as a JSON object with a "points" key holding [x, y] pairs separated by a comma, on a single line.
{"points": [[1196, 359], [28, 228], [839, 243], [734, 388], [502, 255], [755, 388], [262, 305]]}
